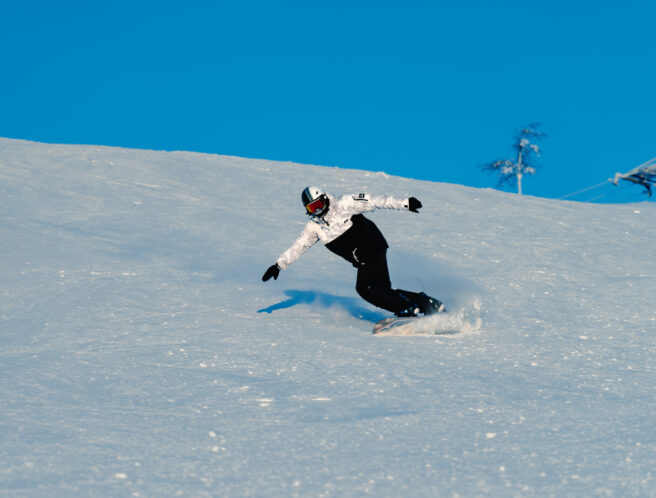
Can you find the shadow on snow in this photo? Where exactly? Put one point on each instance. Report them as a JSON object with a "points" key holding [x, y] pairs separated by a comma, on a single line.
{"points": [[323, 300]]}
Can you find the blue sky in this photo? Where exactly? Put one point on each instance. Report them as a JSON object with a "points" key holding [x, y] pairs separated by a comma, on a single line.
{"points": [[428, 90]]}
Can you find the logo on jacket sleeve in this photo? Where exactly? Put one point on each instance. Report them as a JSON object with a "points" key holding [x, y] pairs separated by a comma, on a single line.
{"points": [[361, 197]]}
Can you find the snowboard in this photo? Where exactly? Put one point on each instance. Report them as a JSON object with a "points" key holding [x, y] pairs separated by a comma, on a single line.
{"points": [[395, 325], [437, 324]]}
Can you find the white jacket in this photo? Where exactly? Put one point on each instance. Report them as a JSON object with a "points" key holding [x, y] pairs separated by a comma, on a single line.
{"points": [[336, 221]]}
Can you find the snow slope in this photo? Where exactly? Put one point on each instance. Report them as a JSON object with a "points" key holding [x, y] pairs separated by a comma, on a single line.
{"points": [[141, 355]]}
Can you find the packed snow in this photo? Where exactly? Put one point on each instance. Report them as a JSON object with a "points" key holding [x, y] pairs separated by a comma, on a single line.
{"points": [[142, 355]]}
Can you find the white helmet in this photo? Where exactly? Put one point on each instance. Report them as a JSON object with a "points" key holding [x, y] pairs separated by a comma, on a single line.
{"points": [[315, 201]]}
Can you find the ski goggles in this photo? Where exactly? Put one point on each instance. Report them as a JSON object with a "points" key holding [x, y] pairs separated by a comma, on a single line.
{"points": [[316, 206]]}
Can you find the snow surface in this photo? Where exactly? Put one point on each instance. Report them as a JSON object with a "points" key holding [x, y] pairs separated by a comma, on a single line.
{"points": [[141, 354]]}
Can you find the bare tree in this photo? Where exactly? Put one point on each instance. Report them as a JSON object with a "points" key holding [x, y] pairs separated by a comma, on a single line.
{"points": [[527, 150]]}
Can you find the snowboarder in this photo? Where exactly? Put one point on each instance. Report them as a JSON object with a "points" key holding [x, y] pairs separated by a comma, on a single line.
{"points": [[341, 226]]}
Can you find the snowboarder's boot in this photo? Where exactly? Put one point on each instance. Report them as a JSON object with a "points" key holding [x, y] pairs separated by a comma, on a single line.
{"points": [[429, 305], [410, 307], [412, 310]]}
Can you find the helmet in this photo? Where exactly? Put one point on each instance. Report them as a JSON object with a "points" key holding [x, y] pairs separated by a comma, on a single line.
{"points": [[315, 201]]}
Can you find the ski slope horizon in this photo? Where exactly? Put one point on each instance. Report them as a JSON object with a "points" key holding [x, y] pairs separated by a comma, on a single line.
{"points": [[142, 355]]}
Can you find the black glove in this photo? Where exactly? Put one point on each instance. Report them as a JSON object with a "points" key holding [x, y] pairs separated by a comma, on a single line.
{"points": [[272, 271], [414, 204]]}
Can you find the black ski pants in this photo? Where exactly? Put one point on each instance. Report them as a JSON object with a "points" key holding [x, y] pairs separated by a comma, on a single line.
{"points": [[374, 286]]}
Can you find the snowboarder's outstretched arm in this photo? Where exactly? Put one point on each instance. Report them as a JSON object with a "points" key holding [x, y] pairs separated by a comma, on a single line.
{"points": [[365, 202], [306, 240]]}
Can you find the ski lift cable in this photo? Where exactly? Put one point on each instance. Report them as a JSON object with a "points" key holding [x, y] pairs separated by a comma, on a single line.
{"points": [[584, 190], [592, 199], [643, 173]]}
